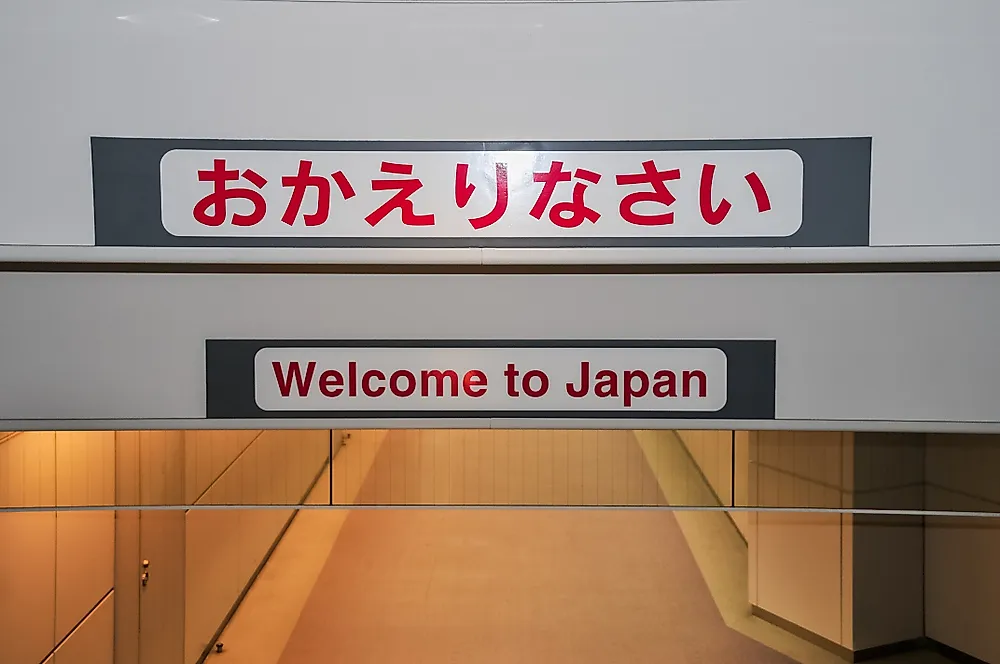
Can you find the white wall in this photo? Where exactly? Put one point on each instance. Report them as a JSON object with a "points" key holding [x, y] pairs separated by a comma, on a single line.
{"points": [[883, 66], [962, 575]]}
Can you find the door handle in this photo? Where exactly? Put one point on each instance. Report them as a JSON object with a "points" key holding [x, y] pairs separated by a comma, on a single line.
{"points": [[145, 573]]}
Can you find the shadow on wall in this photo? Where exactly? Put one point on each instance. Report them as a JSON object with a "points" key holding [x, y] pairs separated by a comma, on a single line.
{"points": [[859, 581]]}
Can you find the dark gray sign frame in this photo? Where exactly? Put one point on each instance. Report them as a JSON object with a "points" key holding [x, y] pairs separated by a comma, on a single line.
{"points": [[835, 199], [230, 386]]}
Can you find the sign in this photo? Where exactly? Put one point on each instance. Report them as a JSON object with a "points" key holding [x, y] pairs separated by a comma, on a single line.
{"points": [[750, 193], [433, 379]]}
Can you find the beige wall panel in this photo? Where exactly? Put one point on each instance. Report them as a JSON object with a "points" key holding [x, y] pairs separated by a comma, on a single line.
{"points": [[456, 466], [93, 642], [546, 466], [162, 467], [799, 570], [212, 544], [161, 614], [418, 466], [85, 564], [354, 461], [514, 441], [530, 470], [495, 467], [128, 467], [223, 548], [741, 481], [208, 453], [85, 468], [798, 559], [590, 472], [848, 589], [27, 470], [381, 473], [127, 588], [712, 454], [501, 462], [27, 586]]}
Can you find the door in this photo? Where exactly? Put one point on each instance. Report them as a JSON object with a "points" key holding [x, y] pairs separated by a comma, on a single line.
{"points": [[161, 588], [149, 548]]}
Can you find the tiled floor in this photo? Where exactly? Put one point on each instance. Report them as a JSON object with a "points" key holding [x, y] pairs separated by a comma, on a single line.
{"points": [[324, 542]]}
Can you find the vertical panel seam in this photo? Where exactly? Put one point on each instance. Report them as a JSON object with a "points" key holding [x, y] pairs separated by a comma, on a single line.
{"points": [[55, 546], [732, 471]]}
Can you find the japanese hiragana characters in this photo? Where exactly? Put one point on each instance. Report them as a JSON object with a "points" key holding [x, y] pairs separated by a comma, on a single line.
{"points": [[660, 194], [759, 192], [712, 216], [464, 189], [405, 187], [565, 214], [301, 182], [212, 209], [715, 215], [710, 213]]}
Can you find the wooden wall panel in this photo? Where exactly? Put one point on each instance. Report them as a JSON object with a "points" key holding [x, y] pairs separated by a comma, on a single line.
{"points": [[27, 586], [93, 642], [496, 467], [54, 567], [85, 567], [224, 548], [799, 568], [27, 470]]}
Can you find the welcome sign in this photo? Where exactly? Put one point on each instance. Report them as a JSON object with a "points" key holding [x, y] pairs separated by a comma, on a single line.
{"points": [[262, 193], [432, 379]]}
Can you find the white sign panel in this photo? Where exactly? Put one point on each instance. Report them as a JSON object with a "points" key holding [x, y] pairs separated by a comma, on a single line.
{"points": [[426, 379], [546, 379], [495, 194]]}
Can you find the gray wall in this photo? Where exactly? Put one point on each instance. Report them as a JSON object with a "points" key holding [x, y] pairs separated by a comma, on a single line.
{"points": [[132, 345], [963, 554]]}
